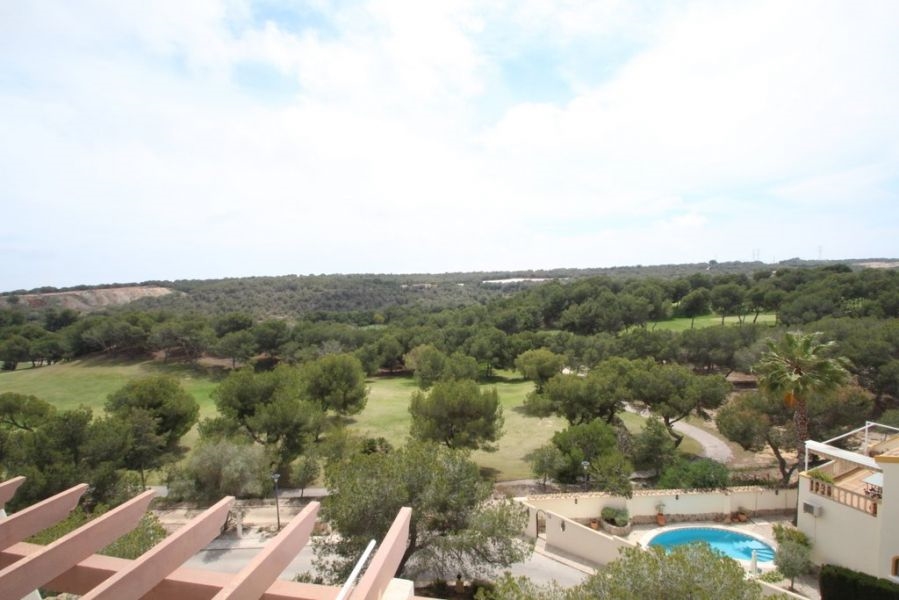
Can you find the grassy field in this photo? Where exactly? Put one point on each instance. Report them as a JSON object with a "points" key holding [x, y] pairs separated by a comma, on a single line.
{"points": [[682, 324], [387, 415], [89, 382]]}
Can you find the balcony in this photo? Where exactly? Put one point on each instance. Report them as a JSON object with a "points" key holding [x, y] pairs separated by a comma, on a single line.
{"points": [[849, 489]]}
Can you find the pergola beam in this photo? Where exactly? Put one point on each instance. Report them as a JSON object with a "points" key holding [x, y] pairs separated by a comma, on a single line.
{"points": [[252, 581], [8, 489], [38, 517], [386, 561], [146, 572], [20, 578]]}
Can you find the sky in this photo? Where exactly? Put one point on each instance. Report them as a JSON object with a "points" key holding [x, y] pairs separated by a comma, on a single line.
{"points": [[222, 138]]}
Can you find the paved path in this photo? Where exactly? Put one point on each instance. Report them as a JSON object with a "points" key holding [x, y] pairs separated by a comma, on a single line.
{"points": [[230, 554], [712, 446]]}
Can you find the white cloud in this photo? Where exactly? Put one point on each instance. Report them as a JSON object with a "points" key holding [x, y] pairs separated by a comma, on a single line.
{"points": [[130, 132]]}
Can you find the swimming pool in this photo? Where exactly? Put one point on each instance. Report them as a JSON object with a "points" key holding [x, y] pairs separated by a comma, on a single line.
{"points": [[731, 543]]}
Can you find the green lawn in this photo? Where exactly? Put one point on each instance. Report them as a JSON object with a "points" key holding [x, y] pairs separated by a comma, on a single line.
{"points": [[89, 382], [387, 415], [682, 324]]}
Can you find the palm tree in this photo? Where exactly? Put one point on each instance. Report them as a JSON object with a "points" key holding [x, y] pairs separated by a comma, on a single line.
{"points": [[796, 368]]}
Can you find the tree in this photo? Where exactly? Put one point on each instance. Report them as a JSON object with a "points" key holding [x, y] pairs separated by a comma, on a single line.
{"points": [[238, 346], [599, 395], [232, 323], [539, 366], [13, 350], [545, 462], [796, 368], [458, 414], [146, 448], [611, 472], [793, 559], [337, 383], [673, 392], [579, 443], [755, 420], [267, 408], [453, 528], [690, 572], [305, 471], [694, 304], [653, 447], [62, 449], [727, 299], [19, 411], [427, 363], [173, 409], [271, 335]]}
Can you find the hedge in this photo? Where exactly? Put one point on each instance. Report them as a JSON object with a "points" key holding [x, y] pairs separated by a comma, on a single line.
{"points": [[839, 583]]}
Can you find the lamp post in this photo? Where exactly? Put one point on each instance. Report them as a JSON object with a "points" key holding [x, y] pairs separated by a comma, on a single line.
{"points": [[275, 478], [586, 465]]}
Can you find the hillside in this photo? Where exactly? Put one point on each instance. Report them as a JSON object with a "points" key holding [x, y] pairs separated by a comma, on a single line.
{"points": [[91, 299], [289, 295]]}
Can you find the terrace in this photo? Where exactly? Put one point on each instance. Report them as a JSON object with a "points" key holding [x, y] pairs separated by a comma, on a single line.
{"points": [[851, 478]]}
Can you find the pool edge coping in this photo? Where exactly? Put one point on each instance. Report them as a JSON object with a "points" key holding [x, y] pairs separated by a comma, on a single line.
{"points": [[761, 565]]}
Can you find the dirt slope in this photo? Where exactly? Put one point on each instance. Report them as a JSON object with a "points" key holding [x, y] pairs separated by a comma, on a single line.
{"points": [[88, 300]]}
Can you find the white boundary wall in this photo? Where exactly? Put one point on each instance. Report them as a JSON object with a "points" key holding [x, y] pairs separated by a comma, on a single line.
{"points": [[679, 505]]}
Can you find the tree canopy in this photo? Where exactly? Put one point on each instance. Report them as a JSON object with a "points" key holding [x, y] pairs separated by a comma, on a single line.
{"points": [[453, 529], [337, 383], [457, 413], [797, 367]]}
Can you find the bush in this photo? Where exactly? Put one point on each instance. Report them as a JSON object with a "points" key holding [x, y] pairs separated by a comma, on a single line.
{"points": [[785, 533], [702, 473], [220, 468], [617, 516], [837, 583]]}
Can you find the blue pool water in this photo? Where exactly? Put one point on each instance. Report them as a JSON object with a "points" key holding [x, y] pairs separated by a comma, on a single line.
{"points": [[730, 543]]}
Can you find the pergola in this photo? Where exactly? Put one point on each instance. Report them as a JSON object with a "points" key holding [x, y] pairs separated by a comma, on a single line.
{"points": [[70, 564]]}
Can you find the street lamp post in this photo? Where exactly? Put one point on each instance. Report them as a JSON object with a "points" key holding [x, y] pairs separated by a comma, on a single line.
{"points": [[275, 478], [586, 465]]}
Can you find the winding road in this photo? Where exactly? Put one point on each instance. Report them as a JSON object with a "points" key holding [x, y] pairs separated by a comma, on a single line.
{"points": [[712, 446]]}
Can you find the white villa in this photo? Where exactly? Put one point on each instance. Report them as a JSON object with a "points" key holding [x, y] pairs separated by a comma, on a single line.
{"points": [[849, 507]]}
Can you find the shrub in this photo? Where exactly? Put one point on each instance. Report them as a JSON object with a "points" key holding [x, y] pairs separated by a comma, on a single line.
{"points": [[785, 533], [702, 473], [617, 516], [820, 475], [836, 583], [774, 576]]}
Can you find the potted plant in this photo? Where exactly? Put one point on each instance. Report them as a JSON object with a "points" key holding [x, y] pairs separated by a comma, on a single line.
{"points": [[660, 514], [821, 482], [742, 514], [616, 521]]}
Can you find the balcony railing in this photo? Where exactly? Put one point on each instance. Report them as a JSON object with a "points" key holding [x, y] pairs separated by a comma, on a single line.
{"points": [[841, 495]]}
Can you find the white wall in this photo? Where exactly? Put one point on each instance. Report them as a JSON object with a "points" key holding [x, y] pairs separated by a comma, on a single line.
{"points": [[677, 502], [889, 518], [841, 535], [588, 545]]}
